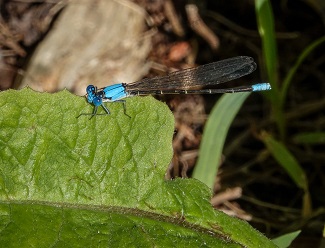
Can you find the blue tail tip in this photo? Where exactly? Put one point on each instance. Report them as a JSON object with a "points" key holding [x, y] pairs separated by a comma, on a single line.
{"points": [[261, 87]]}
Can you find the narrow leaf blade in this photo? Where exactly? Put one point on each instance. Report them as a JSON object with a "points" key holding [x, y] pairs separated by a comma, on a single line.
{"points": [[214, 136], [286, 160]]}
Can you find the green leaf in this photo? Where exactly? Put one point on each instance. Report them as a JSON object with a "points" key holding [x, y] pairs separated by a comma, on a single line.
{"points": [[292, 167], [286, 160], [68, 182], [310, 138], [265, 22], [214, 136], [285, 240], [288, 79]]}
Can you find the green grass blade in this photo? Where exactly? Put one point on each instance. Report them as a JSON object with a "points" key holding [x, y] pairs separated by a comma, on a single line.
{"points": [[286, 160], [265, 22], [284, 157], [285, 241], [68, 182], [293, 70], [214, 136], [312, 138]]}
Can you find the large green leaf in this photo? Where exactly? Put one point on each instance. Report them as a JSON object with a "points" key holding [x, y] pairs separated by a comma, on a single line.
{"points": [[75, 182]]}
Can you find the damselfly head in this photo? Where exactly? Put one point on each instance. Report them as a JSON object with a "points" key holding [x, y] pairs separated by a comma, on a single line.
{"points": [[91, 89]]}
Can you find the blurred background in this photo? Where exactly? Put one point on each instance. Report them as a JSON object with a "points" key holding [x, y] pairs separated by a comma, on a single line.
{"points": [[272, 171]]}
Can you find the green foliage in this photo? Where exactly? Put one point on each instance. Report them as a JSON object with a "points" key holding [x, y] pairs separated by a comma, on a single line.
{"points": [[310, 138], [288, 162], [265, 22], [75, 182], [284, 241], [276, 143], [292, 167], [288, 79], [215, 133], [278, 97]]}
